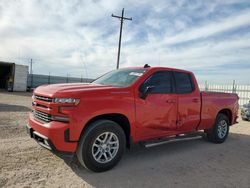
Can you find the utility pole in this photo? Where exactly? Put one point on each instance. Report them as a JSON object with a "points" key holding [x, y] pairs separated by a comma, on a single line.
{"points": [[120, 37]]}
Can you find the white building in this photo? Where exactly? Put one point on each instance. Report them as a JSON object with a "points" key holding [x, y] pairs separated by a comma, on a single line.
{"points": [[13, 77]]}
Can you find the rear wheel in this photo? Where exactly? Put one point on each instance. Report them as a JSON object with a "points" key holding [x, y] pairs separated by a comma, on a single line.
{"points": [[220, 130], [101, 146]]}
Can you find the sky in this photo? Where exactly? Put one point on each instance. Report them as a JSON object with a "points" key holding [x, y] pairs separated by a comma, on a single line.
{"points": [[80, 38]]}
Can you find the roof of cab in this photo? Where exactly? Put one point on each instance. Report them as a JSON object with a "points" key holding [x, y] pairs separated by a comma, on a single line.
{"points": [[158, 68]]}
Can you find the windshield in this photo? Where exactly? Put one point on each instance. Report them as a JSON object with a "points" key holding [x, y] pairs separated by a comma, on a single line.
{"points": [[120, 78]]}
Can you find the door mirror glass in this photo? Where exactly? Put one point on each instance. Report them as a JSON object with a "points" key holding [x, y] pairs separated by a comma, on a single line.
{"points": [[146, 91]]}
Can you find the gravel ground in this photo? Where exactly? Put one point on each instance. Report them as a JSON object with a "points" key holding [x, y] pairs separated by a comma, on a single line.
{"points": [[193, 163]]}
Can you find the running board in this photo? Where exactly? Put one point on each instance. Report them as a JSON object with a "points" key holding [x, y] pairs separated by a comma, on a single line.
{"points": [[176, 138]]}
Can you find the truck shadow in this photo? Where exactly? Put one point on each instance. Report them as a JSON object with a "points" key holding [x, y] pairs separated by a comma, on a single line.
{"points": [[13, 108], [172, 164]]}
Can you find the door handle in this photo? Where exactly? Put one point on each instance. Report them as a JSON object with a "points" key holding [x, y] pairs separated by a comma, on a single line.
{"points": [[171, 101], [195, 100]]}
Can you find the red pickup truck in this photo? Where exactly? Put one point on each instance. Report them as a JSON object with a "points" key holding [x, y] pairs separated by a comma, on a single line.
{"points": [[149, 105]]}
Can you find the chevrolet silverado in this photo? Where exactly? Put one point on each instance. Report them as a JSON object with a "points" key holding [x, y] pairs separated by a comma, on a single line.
{"points": [[97, 121]]}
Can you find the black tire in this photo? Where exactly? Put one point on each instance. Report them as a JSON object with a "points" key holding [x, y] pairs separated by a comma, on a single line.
{"points": [[86, 145], [214, 135], [244, 119]]}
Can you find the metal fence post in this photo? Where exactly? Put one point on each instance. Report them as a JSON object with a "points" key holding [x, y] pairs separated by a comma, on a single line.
{"points": [[31, 84], [49, 78], [206, 86], [234, 87]]}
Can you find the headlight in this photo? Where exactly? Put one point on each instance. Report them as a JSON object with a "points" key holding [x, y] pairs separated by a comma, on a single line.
{"points": [[67, 101]]}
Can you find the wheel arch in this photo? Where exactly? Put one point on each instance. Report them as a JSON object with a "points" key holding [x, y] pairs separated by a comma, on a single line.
{"points": [[227, 112], [120, 119]]}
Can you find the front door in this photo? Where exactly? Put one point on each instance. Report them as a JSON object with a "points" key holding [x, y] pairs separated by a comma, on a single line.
{"points": [[156, 115]]}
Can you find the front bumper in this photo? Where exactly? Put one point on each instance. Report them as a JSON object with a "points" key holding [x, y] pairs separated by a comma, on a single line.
{"points": [[41, 139], [245, 114], [53, 135]]}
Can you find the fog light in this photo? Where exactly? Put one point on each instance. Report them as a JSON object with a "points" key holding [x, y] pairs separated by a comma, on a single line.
{"points": [[60, 118], [46, 142]]}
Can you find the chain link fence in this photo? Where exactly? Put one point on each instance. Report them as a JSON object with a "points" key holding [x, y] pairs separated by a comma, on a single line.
{"points": [[242, 90]]}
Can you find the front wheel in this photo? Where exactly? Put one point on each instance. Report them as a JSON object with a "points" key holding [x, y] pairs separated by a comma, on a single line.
{"points": [[220, 130], [101, 146]]}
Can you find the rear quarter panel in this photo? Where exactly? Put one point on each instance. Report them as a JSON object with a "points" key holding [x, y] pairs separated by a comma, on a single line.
{"points": [[213, 103]]}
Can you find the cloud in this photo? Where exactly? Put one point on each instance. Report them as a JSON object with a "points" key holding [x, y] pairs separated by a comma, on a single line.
{"points": [[81, 38], [210, 29]]}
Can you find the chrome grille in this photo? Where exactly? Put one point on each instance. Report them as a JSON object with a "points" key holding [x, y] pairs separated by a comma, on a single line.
{"points": [[42, 116], [42, 98]]}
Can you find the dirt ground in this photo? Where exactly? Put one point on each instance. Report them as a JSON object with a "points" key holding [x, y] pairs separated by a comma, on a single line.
{"points": [[193, 163]]}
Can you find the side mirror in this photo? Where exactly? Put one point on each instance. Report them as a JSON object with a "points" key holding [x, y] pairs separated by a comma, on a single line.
{"points": [[147, 90]]}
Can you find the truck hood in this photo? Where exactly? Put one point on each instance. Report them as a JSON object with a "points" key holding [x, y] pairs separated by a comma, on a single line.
{"points": [[53, 89]]}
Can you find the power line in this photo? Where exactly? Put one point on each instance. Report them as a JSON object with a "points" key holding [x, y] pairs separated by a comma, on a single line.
{"points": [[120, 37]]}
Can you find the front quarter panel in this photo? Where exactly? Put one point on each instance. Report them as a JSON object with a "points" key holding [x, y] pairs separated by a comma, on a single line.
{"points": [[101, 102]]}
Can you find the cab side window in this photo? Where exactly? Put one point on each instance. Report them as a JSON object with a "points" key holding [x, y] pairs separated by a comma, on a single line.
{"points": [[184, 83], [161, 82]]}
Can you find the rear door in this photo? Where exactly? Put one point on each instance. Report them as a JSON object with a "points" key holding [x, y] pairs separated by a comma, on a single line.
{"points": [[189, 102]]}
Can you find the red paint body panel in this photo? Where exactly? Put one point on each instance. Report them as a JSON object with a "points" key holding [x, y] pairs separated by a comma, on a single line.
{"points": [[157, 116], [212, 103]]}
